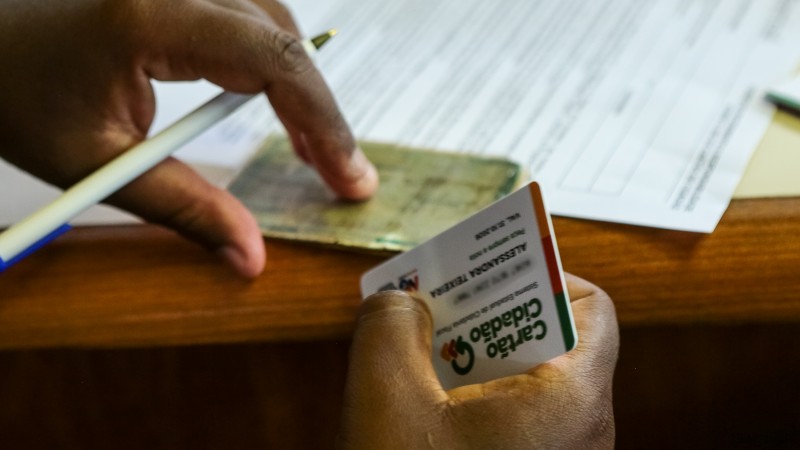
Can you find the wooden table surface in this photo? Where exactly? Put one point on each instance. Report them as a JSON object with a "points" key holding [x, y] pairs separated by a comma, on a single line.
{"points": [[140, 285]]}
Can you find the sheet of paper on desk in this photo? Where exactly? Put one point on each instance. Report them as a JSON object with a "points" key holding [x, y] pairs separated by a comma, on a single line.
{"points": [[643, 112]]}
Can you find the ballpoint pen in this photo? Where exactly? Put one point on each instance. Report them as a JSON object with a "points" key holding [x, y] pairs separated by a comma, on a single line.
{"points": [[44, 225]]}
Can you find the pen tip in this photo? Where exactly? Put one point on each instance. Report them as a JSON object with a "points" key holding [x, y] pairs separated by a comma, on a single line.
{"points": [[320, 40]]}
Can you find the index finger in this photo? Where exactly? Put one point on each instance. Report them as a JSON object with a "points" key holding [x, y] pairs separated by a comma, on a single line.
{"points": [[598, 331], [595, 355], [305, 104], [245, 53]]}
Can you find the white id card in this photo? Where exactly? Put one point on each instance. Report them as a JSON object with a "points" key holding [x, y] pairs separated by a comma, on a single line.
{"points": [[495, 287]]}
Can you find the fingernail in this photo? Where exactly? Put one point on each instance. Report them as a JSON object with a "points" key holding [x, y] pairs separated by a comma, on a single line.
{"points": [[387, 293]]}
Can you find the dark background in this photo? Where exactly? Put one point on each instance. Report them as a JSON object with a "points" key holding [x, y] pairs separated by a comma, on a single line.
{"points": [[675, 387]]}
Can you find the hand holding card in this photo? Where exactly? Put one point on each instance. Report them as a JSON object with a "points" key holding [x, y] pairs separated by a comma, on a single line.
{"points": [[393, 398], [495, 289]]}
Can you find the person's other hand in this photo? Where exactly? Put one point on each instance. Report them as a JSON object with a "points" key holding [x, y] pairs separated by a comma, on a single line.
{"points": [[75, 92], [393, 398]]}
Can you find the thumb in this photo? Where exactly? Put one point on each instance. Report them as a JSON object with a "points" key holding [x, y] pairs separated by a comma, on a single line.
{"points": [[391, 376], [174, 195]]}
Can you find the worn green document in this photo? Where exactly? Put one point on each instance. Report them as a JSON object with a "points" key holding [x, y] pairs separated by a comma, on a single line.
{"points": [[422, 193]]}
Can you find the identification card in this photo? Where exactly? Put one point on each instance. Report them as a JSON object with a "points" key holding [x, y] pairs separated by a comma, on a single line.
{"points": [[495, 288]]}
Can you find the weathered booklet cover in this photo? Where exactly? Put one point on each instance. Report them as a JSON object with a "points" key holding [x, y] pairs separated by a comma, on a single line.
{"points": [[422, 193]]}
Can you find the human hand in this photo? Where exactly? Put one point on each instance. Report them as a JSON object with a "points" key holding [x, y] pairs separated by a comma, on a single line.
{"points": [[75, 92], [393, 398]]}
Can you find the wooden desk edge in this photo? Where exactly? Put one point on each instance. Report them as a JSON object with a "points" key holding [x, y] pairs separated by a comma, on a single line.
{"points": [[134, 286]]}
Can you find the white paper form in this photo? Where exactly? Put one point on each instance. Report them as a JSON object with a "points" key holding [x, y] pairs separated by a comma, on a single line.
{"points": [[642, 112], [635, 111]]}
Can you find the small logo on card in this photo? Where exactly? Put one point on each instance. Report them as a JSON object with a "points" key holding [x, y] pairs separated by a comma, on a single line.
{"points": [[459, 354], [408, 282]]}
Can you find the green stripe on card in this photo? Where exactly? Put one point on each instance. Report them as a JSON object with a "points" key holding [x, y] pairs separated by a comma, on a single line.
{"points": [[566, 324]]}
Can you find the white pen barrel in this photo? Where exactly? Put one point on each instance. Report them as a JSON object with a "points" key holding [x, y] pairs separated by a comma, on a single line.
{"points": [[119, 172]]}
